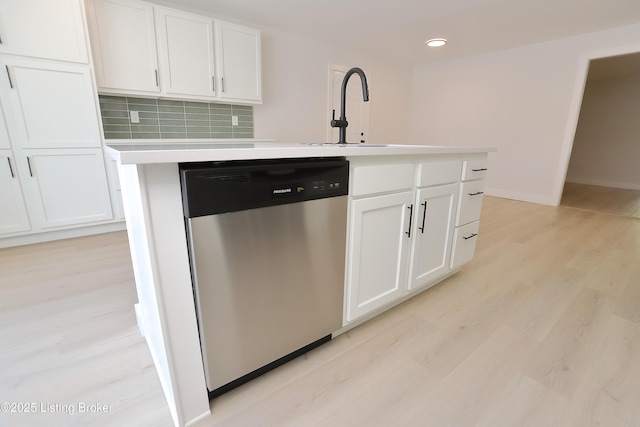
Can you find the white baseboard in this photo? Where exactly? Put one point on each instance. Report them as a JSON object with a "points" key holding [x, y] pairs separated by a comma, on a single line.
{"points": [[199, 418], [523, 197], [47, 236], [604, 183]]}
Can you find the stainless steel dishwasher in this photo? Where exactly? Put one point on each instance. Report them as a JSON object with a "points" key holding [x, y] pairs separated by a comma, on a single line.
{"points": [[267, 250]]}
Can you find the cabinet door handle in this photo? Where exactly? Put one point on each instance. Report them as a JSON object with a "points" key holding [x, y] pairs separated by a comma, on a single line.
{"points": [[424, 216], [408, 233], [10, 167], [479, 170], [477, 193], [469, 237], [213, 83], [29, 163], [223, 87], [9, 76], [157, 81]]}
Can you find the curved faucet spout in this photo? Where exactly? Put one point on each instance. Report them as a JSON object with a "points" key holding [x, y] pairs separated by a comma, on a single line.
{"points": [[342, 122]]}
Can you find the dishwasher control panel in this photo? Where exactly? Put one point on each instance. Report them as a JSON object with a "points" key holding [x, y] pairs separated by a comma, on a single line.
{"points": [[312, 188], [221, 187]]}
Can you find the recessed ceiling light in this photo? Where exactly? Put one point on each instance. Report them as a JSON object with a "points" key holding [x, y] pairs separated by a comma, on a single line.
{"points": [[436, 42]]}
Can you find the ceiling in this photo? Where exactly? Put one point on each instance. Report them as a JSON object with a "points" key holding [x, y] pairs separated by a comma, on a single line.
{"points": [[397, 29]]}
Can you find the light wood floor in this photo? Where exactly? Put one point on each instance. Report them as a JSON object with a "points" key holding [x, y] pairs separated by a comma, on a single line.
{"points": [[614, 201], [542, 328]]}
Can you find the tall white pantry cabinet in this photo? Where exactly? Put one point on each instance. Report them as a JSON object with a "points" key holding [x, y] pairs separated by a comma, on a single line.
{"points": [[53, 175]]}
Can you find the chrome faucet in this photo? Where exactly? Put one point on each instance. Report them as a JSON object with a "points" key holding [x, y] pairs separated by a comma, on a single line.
{"points": [[342, 122]]}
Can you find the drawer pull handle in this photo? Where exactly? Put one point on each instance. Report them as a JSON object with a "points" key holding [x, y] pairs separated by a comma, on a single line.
{"points": [[469, 237], [479, 170], [9, 76], [477, 193], [424, 216], [11, 167], [408, 233]]}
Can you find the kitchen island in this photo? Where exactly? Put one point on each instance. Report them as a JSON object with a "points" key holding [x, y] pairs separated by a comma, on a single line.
{"points": [[389, 176]]}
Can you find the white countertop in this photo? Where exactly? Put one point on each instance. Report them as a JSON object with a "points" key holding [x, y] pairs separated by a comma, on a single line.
{"points": [[178, 151]]}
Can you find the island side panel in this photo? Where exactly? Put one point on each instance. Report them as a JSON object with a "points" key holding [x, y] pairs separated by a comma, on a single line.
{"points": [[155, 224]]}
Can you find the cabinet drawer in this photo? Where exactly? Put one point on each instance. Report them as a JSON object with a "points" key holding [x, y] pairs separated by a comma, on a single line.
{"points": [[430, 174], [464, 244], [381, 179], [469, 202], [474, 169]]}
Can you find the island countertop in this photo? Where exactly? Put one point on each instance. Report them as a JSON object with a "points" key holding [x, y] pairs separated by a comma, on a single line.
{"points": [[178, 151]]}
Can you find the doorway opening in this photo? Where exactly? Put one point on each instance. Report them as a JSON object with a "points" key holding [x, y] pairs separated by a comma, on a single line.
{"points": [[603, 172]]}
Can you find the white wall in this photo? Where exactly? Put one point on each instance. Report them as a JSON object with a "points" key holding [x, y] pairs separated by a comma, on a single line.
{"points": [[606, 149], [524, 101], [295, 89]]}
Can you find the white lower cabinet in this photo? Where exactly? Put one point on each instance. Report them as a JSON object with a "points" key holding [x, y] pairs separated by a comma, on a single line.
{"points": [[468, 216], [379, 249], [432, 233], [13, 215], [470, 202], [66, 187], [464, 244], [405, 233]]}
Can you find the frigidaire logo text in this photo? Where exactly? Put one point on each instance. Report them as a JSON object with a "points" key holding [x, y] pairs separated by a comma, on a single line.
{"points": [[282, 191]]}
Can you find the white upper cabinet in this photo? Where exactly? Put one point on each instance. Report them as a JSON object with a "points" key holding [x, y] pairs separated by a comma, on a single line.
{"points": [[143, 49], [123, 40], [53, 103], [185, 50], [51, 29], [239, 60]]}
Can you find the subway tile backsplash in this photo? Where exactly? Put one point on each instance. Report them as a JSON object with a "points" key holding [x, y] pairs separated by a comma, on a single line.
{"points": [[162, 118]]}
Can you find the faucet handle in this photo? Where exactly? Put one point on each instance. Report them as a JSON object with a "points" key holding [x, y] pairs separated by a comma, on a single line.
{"points": [[337, 123]]}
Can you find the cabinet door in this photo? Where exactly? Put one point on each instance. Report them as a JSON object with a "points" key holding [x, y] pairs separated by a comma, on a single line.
{"points": [[185, 48], [53, 104], [433, 230], [51, 29], [124, 46], [5, 143], [67, 187], [13, 215], [378, 252], [238, 53]]}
